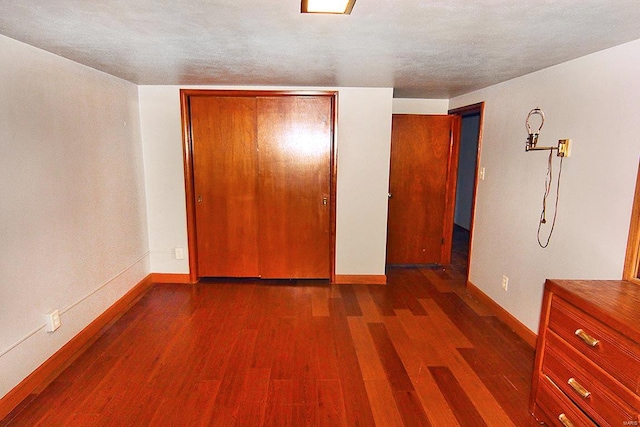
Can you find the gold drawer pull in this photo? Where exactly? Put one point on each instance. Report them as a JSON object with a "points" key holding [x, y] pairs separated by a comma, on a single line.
{"points": [[588, 339], [583, 392], [565, 420]]}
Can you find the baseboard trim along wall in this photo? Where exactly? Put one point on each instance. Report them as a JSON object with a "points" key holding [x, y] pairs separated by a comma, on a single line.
{"points": [[48, 371], [518, 327], [171, 278], [360, 279]]}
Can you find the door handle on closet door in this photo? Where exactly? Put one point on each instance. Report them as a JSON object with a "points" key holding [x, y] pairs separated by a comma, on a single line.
{"points": [[199, 199]]}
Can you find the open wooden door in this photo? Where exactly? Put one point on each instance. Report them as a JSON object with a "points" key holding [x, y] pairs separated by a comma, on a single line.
{"points": [[421, 189]]}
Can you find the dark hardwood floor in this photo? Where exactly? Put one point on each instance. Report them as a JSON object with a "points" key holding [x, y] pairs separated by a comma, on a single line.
{"points": [[417, 352]]}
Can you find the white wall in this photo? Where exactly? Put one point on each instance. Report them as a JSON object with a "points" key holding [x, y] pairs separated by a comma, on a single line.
{"points": [[593, 100], [72, 216], [420, 106], [364, 147], [363, 142], [161, 133]]}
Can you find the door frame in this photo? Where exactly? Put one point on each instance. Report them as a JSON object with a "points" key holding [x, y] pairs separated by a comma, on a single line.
{"points": [[450, 189], [467, 110], [187, 151]]}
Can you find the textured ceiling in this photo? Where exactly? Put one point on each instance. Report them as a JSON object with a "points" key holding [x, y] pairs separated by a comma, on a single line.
{"points": [[421, 48]]}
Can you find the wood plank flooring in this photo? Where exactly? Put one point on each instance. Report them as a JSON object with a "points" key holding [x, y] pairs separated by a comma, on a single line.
{"points": [[417, 352]]}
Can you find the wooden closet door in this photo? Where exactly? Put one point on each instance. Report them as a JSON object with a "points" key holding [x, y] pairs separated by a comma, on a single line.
{"points": [[225, 185], [294, 162]]}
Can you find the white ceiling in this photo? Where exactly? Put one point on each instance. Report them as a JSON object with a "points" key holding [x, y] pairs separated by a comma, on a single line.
{"points": [[422, 48]]}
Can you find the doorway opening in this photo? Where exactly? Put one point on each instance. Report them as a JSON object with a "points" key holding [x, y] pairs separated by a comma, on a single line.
{"points": [[467, 183]]}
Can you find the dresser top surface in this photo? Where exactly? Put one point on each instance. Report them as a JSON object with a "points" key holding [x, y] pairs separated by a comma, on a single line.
{"points": [[616, 302]]}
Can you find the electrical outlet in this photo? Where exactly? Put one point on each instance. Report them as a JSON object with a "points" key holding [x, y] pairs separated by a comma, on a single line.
{"points": [[505, 283], [179, 253], [53, 320]]}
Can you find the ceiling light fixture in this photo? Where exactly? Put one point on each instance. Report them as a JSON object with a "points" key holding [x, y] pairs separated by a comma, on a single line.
{"points": [[341, 7]]}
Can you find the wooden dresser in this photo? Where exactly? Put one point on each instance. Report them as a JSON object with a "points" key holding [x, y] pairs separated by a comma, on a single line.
{"points": [[587, 366]]}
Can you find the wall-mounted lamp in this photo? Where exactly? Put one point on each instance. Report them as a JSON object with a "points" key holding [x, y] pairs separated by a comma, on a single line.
{"points": [[340, 7], [563, 151], [532, 140]]}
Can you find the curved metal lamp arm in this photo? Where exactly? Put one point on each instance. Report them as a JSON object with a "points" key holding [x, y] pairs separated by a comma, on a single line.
{"points": [[532, 139]]}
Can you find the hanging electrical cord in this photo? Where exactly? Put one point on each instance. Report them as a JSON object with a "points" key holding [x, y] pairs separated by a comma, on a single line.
{"points": [[562, 151], [547, 189]]}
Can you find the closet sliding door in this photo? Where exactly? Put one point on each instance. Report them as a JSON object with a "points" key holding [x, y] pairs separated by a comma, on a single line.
{"points": [[225, 182], [294, 152], [261, 168]]}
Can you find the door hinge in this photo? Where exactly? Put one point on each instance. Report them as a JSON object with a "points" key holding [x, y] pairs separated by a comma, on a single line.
{"points": [[442, 241]]}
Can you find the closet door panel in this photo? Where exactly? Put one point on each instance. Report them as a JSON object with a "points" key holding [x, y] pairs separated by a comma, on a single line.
{"points": [[225, 185], [294, 163]]}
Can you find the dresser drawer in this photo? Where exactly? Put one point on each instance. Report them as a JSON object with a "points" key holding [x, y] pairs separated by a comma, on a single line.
{"points": [[606, 401], [558, 409], [616, 354]]}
